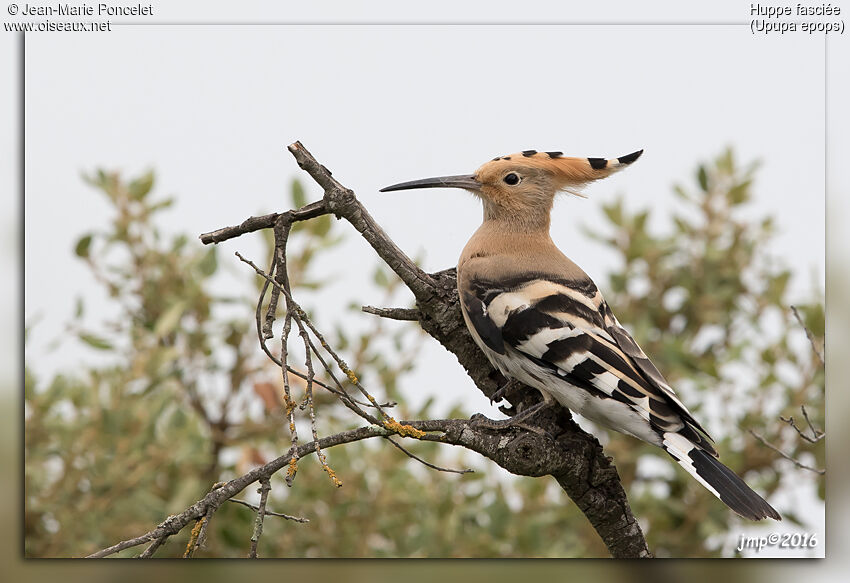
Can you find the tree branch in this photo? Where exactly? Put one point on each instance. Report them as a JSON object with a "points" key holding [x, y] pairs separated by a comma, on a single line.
{"points": [[791, 459], [560, 448], [268, 512], [403, 314], [175, 523], [265, 488], [818, 352]]}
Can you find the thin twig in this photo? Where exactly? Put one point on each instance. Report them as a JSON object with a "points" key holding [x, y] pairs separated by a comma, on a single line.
{"points": [[785, 455], [423, 462], [818, 352], [202, 536], [152, 548], [281, 234], [264, 489], [268, 512], [817, 434], [300, 315], [158, 533], [289, 404]]}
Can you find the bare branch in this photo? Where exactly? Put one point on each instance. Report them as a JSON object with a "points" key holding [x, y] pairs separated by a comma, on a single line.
{"points": [[342, 202], [409, 314], [268, 512], [301, 316], [818, 352], [175, 523], [428, 464], [152, 548], [264, 489], [817, 434], [785, 455], [252, 224]]}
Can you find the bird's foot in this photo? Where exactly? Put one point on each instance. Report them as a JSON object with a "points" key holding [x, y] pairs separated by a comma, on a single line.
{"points": [[518, 420]]}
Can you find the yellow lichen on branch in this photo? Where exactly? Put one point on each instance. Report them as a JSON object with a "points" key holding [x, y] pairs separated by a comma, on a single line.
{"points": [[337, 482], [403, 430], [293, 468], [331, 474], [193, 538]]}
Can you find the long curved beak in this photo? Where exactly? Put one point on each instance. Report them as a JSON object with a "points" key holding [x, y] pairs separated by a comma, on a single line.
{"points": [[465, 181]]}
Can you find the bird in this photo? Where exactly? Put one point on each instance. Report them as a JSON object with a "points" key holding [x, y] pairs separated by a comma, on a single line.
{"points": [[541, 320]]}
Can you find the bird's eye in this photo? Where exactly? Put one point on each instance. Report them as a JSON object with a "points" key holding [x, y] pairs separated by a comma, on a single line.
{"points": [[511, 179]]}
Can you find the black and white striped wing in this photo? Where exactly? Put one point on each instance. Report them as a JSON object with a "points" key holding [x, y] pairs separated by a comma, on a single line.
{"points": [[567, 328]]}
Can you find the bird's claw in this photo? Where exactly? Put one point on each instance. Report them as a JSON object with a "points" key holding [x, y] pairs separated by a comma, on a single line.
{"points": [[503, 392], [480, 421], [498, 395]]}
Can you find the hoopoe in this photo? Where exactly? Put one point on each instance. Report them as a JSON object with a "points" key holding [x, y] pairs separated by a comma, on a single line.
{"points": [[542, 321]]}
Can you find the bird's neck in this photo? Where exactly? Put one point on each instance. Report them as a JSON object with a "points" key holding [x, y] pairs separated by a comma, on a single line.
{"points": [[498, 237], [533, 221]]}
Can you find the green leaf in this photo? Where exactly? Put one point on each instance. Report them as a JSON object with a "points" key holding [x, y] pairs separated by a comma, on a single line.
{"points": [[141, 186], [614, 212], [208, 263], [299, 199], [702, 178], [681, 192], [640, 220], [726, 162], [739, 193], [179, 242], [81, 249], [618, 282], [381, 278], [776, 287], [79, 308], [321, 225], [681, 224], [813, 316], [163, 204], [169, 319], [94, 341]]}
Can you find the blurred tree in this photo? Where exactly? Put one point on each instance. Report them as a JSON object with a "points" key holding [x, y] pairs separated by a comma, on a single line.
{"points": [[189, 400]]}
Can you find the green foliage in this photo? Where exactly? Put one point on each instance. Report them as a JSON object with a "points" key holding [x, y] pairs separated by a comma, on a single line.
{"points": [[189, 400]]}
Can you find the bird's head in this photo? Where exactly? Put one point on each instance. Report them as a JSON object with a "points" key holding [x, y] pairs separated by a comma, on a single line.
{"points": [[522, 186]]}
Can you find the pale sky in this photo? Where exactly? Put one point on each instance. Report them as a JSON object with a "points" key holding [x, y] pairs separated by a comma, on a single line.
{"points": [[211, 109]]}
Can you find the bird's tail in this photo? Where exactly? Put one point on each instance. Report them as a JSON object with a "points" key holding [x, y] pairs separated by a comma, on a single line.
{"points": [[720, 480]]}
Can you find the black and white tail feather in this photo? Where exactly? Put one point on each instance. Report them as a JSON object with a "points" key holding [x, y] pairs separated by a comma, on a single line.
{"points": [[561, 337]]}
